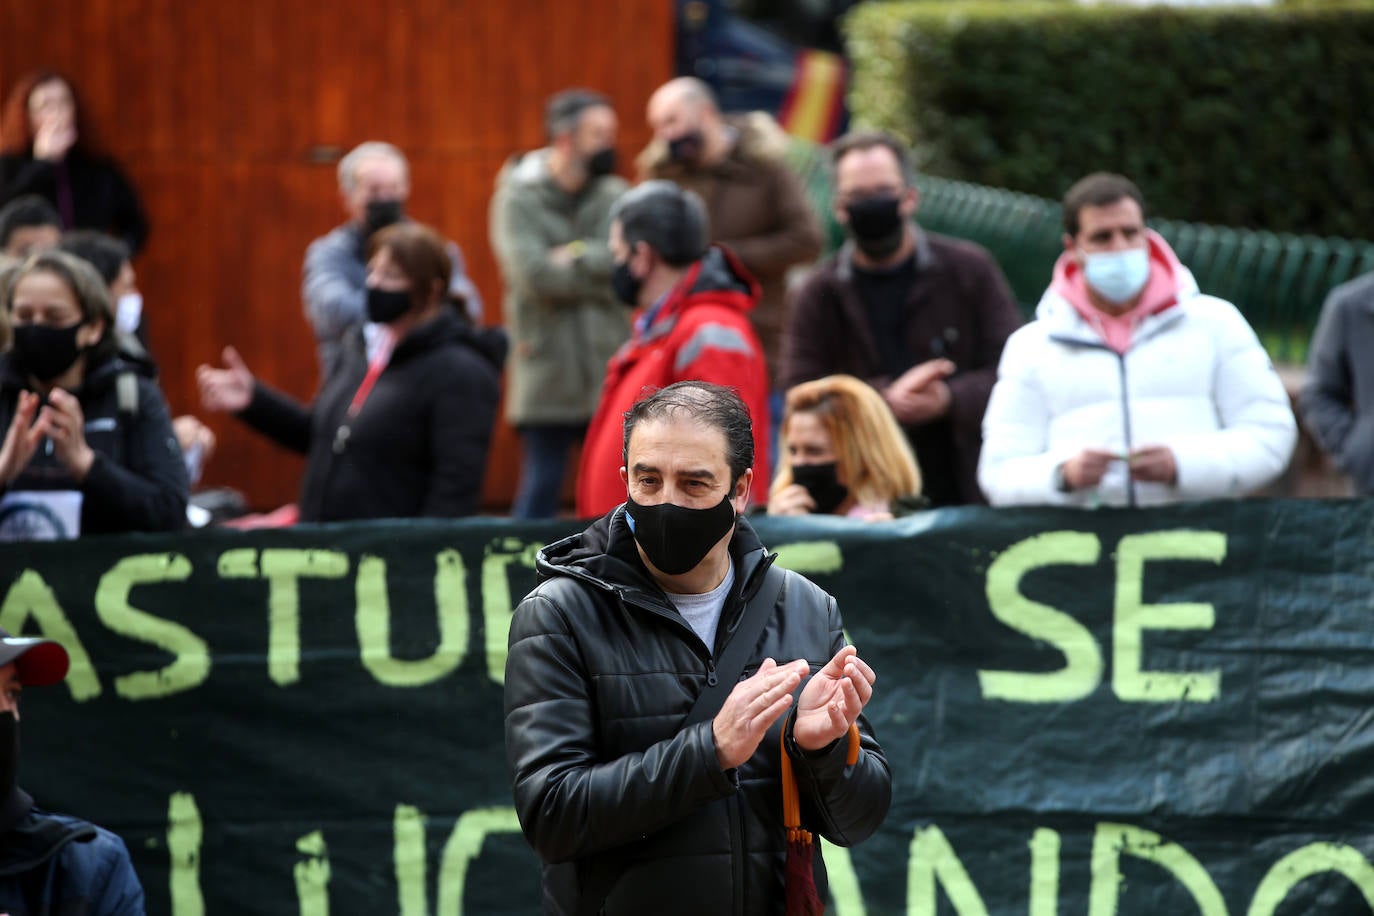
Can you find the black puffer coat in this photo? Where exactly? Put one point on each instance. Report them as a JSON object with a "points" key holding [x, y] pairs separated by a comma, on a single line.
{"points": [[602, 671], [418, 445]]}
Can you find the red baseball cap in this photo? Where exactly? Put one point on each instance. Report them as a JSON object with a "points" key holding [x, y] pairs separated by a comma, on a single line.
{"points": [[40, 661]]}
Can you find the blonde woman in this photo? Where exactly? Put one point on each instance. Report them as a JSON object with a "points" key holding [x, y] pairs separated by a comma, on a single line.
{"points": [[843, 454]]}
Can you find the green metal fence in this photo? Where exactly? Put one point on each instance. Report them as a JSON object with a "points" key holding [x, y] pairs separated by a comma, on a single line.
{"points": [[1277, 280]]}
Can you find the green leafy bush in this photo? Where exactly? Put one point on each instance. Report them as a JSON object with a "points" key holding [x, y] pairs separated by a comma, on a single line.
{"points": [[1252, 117]]}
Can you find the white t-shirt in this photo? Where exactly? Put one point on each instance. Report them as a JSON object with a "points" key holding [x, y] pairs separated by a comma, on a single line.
{"points": [[703, 611]]}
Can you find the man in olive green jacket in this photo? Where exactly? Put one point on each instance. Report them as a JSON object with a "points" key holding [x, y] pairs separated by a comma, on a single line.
{"points": [[550, 219]]}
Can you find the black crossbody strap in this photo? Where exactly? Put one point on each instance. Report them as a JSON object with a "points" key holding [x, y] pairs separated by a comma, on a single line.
{"points": [[598, 878], [740, 647]]}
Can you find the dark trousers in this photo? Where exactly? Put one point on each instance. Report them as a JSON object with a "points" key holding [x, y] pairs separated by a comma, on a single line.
{"points": [[543, 463]]}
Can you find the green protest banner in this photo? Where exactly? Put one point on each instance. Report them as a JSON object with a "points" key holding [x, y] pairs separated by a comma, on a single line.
{"points": [[1160, 711]]}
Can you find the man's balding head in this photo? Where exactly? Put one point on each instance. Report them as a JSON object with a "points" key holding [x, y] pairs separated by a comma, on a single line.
{"points": [[684, 116]]}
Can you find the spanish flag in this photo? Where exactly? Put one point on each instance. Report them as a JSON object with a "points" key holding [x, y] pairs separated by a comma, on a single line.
{"points": [[815, 100]]}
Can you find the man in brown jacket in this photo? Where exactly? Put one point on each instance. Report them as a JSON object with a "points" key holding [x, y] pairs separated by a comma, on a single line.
{"points": [[756, 203], [920, 317]]}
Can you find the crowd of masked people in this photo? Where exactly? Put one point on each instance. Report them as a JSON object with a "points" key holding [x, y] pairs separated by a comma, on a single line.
{"points": [[894, 375]]}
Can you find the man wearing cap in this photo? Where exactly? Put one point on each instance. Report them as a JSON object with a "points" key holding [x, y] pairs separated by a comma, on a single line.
{"points": [[51, 863]]}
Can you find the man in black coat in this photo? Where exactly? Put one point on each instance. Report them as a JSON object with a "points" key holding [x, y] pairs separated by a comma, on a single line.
{"points": [[637, 800], [920, 317]]}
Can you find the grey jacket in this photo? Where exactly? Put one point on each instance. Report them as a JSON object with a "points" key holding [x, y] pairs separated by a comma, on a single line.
{"points": [[564, 322], [333, 287], [1337, 400]]}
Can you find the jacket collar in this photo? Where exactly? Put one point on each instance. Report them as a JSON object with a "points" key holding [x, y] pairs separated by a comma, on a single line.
{"points": [[718, 278], [446, 327], [99, 377], [605, 557], [1064, 321], [925, 255]]}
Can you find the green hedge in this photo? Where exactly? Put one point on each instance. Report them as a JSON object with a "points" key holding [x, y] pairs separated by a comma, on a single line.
{"points": [[1241, 116]]}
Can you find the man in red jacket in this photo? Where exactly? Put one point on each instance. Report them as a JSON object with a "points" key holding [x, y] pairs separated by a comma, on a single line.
{"points": [[692, 305]]}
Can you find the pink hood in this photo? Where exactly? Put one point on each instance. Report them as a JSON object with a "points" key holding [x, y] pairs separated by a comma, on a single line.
{"points": [[1161, 292]]}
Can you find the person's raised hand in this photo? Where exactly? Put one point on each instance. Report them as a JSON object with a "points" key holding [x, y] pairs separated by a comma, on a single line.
{"points": [[21, 439], [753, 705], [833, 699], [793, 499], [53, 139], [65, 424], [227, 390]]}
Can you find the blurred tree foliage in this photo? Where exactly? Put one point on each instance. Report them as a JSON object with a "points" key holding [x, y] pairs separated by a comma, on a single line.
{"points": [[1243, 116]]}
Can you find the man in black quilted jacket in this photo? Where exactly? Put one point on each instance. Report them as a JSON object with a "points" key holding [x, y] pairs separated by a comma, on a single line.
{"points": [[636, 801]]}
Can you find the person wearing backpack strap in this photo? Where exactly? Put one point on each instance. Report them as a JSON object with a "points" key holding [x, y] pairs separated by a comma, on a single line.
{"points": [[78, 418], [658, 671]]}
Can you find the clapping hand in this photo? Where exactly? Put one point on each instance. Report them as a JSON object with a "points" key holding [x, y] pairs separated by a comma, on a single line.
{"points": [[65, 424], [753, 705], [21, 439], [832, 700]]}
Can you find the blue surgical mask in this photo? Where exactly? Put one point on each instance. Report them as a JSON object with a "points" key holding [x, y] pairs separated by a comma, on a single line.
{"points": [[1117, 276]]}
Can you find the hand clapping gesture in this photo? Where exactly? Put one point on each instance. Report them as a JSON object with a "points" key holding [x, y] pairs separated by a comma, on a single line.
{"points": [[61, 421], [833, 700], [21, 439], [831, 703], [65, 424]]}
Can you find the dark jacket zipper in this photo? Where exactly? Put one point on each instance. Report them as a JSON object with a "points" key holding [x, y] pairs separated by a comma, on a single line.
{"points": [[755, 581]]}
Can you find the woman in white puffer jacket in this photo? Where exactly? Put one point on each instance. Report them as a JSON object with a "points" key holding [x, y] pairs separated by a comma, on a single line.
{"points": [[1167, 397]]}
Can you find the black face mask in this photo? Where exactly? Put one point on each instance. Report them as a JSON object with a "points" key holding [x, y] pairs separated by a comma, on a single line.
{"points": [[625, 284], [677, 539], [823, 483], [385, 306], [602, 162], [380, 214], [877, 225], [45, 352], [688, 148]]}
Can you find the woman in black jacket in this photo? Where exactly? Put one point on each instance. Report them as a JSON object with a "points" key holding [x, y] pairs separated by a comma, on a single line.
{"points": [[77, 417], [402, 425], [47, 150]]}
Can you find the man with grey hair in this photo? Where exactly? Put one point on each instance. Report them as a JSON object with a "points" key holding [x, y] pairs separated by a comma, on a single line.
{"points": [[660, 674], [691, 321], [550, 218], [756, 203], [374, 183]]}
